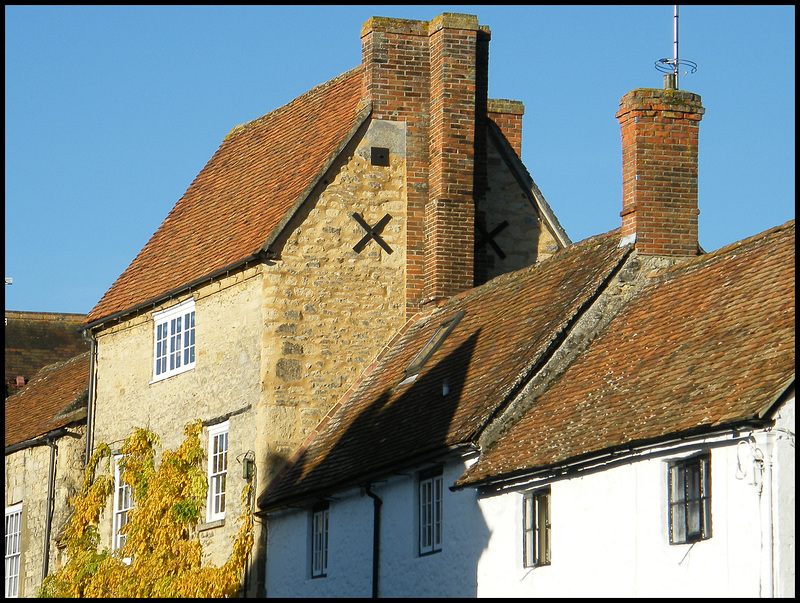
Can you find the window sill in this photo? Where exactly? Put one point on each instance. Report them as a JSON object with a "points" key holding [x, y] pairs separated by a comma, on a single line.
{"points": [[163, 376], [210, 525]]}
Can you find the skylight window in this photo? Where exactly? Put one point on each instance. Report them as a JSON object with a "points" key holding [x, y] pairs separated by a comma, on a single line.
{"points": [[433, 344]]}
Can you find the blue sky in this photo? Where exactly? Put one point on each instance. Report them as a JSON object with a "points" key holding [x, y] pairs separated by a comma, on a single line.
{"points": [[112, 111]]}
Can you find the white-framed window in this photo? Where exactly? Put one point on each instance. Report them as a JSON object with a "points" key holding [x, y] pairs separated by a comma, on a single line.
{"points": [[430, 513], [536, 528], [217, 470], [13, 535], [690, 499], [123, 503], [319, 541], [174, 342]]}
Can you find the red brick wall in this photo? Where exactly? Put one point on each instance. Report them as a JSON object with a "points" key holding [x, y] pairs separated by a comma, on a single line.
{"points": [[507, 115], [659, 169], [433, 75]]}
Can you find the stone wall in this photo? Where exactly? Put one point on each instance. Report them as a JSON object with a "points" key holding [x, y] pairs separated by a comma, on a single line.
{"points": [[26, 482], [524, 241], [330, 304], [225, 382]]}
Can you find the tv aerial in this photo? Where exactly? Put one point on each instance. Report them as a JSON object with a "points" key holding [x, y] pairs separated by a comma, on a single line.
{"points": [[675, 66]]}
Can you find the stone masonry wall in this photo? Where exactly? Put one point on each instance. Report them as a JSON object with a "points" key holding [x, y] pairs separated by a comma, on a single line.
{"points": [[524, 241], [329, 309], [26, 474], [225, 381]]}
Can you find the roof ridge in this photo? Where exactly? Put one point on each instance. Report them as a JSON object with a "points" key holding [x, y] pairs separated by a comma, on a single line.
{"points": [[723, 252], [501, 279], [236, 130]]}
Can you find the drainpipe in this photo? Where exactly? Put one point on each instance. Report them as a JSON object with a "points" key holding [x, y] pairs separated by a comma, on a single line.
{"points": [[48, 519], [90, 401], [767, 519], [376, 540]]}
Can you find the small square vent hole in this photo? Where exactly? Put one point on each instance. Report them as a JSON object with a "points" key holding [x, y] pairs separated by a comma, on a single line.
{"points": [[379, 156]]}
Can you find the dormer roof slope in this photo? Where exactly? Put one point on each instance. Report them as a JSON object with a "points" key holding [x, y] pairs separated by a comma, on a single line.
{"points": [[259, 173], [54, 398], [389, 417], [709, 343]]}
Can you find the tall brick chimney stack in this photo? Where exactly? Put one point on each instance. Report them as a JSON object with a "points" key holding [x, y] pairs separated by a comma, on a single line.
{"points": [[433, 75], [659, 170]]}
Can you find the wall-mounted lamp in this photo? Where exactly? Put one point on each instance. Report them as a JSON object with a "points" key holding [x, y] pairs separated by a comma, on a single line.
{"points": [[247, 468]]}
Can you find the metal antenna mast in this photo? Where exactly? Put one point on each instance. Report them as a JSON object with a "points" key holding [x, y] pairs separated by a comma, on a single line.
{"points": [[672, 67]]}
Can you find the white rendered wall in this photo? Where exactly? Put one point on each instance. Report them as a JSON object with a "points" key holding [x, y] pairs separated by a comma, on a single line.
{"points": [[404, 573], [610, 538]]}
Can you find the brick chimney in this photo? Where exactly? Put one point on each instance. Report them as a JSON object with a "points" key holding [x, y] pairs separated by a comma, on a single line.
{"points": [[507, 115], [433, 75], [659, 170]]}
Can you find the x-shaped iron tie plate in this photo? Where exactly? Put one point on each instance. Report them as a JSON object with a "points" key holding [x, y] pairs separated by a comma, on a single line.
{"points": [[373, 233]]}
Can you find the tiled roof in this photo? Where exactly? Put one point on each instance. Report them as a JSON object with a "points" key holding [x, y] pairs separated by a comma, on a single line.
{"points": [[506, 329], [52, 399], [36, 339], [709, 343], [259, 172]]}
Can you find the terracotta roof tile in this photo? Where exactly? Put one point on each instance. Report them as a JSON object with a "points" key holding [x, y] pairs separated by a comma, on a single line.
{"points": [[258, 173], [507, 327], [710, 342], [52, 399], [35, 339]]}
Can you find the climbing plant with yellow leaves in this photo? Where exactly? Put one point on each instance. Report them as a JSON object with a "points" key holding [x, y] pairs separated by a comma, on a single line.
{"points": [[161, 556]]}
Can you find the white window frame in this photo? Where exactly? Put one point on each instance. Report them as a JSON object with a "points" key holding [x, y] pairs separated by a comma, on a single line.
{"points": [[123, 503], [536, 528], [320, 520], [217, 471], [689, 502], [13, 538], [431, 489], [174, 340]]}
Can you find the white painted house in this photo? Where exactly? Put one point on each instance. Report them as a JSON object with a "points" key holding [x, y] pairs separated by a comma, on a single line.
{"points": [[617, 420]]}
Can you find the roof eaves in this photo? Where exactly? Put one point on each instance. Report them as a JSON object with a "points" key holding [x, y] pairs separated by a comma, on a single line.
{"points": [[186, 288], [579, 464], [785, 392]]}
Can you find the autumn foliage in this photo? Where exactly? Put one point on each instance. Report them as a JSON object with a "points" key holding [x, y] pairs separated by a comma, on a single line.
{"points": [[162, 553]]}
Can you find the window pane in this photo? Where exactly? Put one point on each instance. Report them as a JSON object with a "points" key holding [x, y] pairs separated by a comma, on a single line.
{"points": [[678, 522], [319, 543], [217, 471], [13, 550], [437, 512]]}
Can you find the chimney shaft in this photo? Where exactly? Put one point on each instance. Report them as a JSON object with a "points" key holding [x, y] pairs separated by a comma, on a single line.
{"points": [[433, 76], [659, 170]]}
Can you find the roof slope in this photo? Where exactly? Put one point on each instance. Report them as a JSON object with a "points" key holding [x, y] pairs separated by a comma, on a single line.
{"points": [[52, 399], [710, 342], [508, 326], [259, 172], [36, 339]]}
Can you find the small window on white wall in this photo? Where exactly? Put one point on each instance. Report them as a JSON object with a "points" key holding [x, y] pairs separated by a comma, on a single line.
{"points": [[536, 528], [430, 513], [13, 535], [319, 541], [217, 470], [174, 342], [690, 499]]}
